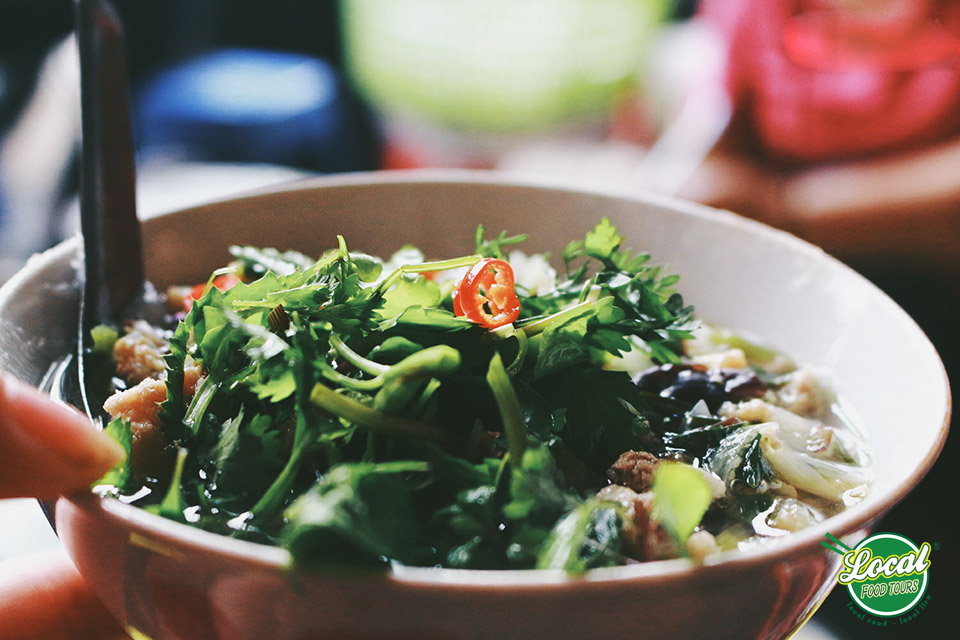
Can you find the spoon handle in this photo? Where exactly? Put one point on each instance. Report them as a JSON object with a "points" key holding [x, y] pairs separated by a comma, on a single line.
{"points": [[108, 214]]}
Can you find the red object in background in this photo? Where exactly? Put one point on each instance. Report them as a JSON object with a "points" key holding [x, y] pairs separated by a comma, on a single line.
{"points": [[816, 82], [221, 282]]}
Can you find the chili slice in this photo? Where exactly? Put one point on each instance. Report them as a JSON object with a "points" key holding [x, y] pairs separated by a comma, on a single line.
{"points": [[486, 294]]}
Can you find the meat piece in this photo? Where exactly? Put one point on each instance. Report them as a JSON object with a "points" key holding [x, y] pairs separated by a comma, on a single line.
{"points": [[140, 405], [634, 469], [646, 539], [139, 354]]}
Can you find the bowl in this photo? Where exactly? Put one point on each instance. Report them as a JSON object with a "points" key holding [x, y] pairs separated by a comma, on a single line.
{"points": [[164, 580]]}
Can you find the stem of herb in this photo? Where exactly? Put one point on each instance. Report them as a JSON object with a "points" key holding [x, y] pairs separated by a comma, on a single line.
{"points": [[273, 496], [587, 289], [363, 364], [509, 406], [539, 325], [514, 367], [372, 420], [336, 377], [424, 267], [201, 400], [172, 504]]}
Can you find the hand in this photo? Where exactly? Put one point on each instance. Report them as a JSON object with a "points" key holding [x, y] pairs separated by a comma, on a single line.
{"points": [[897, 208], [47, 450]]}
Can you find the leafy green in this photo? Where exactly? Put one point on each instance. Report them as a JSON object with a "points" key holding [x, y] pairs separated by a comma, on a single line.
{"points": [[173, 409], [467, 530], [681, 496], [588, 537], [537, 490], [347, 413], [244, 461], [702, 434], [172, 505], [538, 497], [603, 413], [494, 248], [356, 514], [104, 337], [754, 469], [120, 476]]}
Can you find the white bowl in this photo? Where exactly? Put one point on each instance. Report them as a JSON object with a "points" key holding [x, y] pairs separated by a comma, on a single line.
{"points": [[167, 580]]}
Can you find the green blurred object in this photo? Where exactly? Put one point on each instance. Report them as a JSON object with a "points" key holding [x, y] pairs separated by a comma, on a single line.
{"points": [[497, 66]]}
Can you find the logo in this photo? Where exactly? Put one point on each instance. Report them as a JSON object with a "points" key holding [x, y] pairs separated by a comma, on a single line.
{"points": [[886, 574]]}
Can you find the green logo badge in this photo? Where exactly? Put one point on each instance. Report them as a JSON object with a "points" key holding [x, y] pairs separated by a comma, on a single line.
{"points": [[886, 574]]}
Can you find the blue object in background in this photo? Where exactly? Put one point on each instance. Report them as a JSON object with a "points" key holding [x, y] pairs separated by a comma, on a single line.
{"points": [[241, 105]]}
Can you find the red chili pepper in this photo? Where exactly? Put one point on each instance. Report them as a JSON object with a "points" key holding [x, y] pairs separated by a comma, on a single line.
{"points": [[486, 294], [221, 282]]}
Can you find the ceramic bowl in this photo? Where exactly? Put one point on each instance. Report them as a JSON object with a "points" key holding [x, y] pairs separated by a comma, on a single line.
{"points": [[167, 581]]}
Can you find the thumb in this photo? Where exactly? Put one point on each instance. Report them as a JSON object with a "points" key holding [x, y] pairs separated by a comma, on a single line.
{"points": [[46, 448]]}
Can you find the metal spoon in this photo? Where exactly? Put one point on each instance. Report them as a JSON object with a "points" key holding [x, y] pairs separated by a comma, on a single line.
{"points": [[113, 264], [113, 260]]}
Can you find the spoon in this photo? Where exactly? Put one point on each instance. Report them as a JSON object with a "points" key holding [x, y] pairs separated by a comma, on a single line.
{"points": [[113, 261]]}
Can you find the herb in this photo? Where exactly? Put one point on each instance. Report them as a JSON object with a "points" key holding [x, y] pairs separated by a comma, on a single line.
{"points": [[358, 513], [494, 248], [754, 470], [588, 537], [346, 413], [119, 478]]}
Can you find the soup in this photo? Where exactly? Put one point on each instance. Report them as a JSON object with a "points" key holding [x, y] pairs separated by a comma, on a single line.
{"points": [[475, 412]]}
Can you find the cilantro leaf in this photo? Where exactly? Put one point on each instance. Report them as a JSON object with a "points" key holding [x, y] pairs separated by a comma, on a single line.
{"points": [[494, 248], [357, 513], [407, 293], [244, 461]]}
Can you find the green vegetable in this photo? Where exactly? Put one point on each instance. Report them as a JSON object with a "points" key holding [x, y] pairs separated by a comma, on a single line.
{"points": [[680, 498], [586, 538], [356, 514], [104, 338], [119, 478], [346, 413], [754, 469], [172, 506]]}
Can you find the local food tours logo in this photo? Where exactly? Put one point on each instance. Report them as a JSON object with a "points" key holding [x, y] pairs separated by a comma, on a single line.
{"points": [[886, 575]]}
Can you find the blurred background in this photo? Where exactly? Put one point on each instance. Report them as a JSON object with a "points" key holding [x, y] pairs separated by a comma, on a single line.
{"points": [[836, 120]]}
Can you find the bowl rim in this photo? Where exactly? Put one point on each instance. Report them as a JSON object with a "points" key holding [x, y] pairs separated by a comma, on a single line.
{"points": [[850, 523]]}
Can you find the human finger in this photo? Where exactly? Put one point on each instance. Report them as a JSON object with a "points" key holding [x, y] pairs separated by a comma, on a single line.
{"points": [[46, 448]]}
